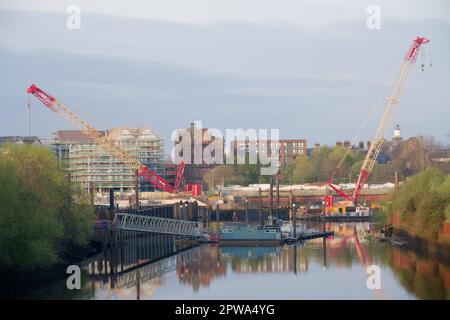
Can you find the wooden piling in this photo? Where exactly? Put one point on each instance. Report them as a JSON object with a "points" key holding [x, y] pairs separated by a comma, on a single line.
{"points": [[290, 205], [294, 221], [261, 221], [217, 215], [246, 210], [278, 198], [271, 200]]}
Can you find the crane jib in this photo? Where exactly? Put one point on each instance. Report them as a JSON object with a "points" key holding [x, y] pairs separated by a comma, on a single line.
{"points": [[103, 141], [388, 115]]}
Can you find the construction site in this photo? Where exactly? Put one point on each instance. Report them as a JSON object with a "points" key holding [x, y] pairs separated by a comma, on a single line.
{"points": [[239, 151], [129, 164]]}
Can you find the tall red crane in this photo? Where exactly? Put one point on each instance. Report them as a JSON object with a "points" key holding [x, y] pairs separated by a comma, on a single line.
{"points": [[105, 142], [388, 114], [180, 172]]}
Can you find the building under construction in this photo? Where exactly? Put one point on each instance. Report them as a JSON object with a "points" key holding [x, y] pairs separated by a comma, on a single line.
{"points": [[95, 168]]}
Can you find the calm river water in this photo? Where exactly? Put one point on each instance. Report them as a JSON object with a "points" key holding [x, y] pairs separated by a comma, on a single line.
{"points": [[335, 268]]}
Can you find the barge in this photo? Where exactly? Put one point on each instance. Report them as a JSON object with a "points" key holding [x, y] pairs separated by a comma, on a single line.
{"points": [[244, 234]]}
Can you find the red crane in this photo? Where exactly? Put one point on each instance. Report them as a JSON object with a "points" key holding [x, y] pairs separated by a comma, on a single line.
{"points": [[180, 172], [105, 142], [388, 114]]}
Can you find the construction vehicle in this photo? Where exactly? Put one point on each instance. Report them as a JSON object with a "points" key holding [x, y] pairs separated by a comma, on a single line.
{"points": [[350, 207], [107, 143]]}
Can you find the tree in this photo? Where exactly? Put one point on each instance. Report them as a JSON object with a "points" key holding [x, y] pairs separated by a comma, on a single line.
{"points": [[320, 166], [304, 171], [222, 175], [43, 216]]}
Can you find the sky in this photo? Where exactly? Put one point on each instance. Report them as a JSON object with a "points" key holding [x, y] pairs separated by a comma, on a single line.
{"points": [[312, 69]]}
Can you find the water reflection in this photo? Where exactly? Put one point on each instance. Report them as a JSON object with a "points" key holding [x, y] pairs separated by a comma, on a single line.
{"points": [[333, 268]]}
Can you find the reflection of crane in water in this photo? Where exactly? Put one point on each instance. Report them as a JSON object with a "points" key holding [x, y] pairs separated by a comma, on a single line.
{"points": [[364, 257]]}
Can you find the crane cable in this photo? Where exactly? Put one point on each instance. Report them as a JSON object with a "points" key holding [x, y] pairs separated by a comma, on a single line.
{"points": [[365, 122], [29, 115]]}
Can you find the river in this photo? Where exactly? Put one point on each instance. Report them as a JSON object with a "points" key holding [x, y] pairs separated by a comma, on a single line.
{"points": [[333, 268]]}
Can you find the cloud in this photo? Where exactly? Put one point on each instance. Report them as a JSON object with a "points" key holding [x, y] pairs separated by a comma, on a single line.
{"points": [[318, 84], [304, 13]]}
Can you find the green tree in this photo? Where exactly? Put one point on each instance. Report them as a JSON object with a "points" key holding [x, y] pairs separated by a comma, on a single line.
{"points": [[304, 171], [43, 216], [222, 175], [324, 161]]}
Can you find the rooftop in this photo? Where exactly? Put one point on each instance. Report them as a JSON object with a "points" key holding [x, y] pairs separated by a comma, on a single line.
{"points": [[20, 140]]}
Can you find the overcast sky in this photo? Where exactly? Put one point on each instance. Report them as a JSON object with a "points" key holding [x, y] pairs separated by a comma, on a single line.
{"points": [[317, 12], [309, 68]]}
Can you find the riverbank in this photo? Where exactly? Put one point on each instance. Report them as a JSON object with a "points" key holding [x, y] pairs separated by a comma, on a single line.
{"points": [[15, 284], [421, 207]]}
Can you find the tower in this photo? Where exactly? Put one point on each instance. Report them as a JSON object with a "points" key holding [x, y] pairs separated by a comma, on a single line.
{"points": [[397, 134]]}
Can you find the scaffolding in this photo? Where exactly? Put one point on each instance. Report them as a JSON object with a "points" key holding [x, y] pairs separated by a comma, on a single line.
{"points": [[98, 171]]}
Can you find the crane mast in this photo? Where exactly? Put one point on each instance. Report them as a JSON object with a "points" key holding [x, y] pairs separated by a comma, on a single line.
{"points": [[102, 140], [388, 114]]}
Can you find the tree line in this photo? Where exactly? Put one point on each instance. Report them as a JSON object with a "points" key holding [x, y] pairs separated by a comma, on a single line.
{"points": [[407, 158]]}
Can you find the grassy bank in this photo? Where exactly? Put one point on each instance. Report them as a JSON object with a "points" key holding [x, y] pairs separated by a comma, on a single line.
{"points": [[423, 205]]}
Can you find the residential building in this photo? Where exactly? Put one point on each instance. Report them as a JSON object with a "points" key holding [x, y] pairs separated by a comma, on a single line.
{"points": [[288, 149], [63, 140], [200, 139], [95, 168]]}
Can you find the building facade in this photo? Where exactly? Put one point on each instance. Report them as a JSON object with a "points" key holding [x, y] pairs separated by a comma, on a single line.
{"points": [[96, 169], [200, 140], [63, 140], [288, 149]]}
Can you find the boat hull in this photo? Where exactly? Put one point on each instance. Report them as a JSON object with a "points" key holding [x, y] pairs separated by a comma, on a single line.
{"points": [[247, 234]]}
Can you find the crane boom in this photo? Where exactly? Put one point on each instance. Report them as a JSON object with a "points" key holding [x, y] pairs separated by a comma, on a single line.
{"points": [[180, 172], [388, 114], [102, 140]]}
